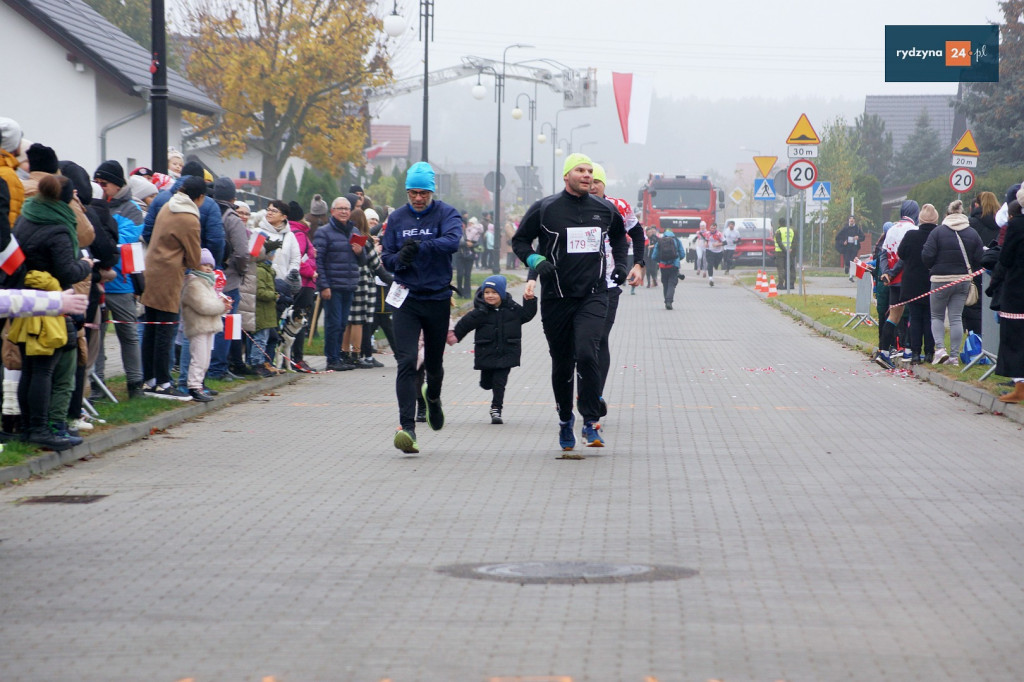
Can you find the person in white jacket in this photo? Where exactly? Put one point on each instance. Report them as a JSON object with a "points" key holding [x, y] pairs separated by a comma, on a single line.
{"points": [[275, 226]]}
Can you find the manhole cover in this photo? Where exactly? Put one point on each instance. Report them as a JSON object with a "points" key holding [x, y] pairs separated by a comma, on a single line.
{"points": [[61, 499], [567, 572]]}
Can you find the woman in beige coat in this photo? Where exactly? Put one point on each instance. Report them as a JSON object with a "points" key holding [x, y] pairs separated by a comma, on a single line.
{"points": [[173, 247]]}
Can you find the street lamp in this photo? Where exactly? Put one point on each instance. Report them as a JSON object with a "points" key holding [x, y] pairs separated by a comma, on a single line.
{"points": [[500, 97], [542, 138], [517, 114], [573, 130], [394, 26]]}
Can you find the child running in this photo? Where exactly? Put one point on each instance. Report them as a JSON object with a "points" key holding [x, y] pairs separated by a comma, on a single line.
{"points": [[498, 322]]}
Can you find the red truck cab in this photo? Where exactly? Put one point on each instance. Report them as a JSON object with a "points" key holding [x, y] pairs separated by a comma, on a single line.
{"points": [[679, 203]]}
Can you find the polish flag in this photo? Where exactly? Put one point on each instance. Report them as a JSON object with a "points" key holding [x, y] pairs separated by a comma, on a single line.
{"points": [[12, 257], [132, 258], [633, 94], [233, 327], [219, 280], [256, 243], [372, 152], [859, 267]]}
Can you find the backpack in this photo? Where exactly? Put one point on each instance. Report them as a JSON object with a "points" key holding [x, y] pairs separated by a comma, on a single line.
{"points": [[668, 250]]}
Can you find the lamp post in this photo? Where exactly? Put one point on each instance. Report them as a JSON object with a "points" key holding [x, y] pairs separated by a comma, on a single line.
{"points": [[542, 138], [158, 94], [394, 26], [499, 95], [573, 130], [517, 114]]}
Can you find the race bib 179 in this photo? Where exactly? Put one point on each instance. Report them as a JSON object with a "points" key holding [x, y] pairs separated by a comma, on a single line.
{"points": [[582, 239]]}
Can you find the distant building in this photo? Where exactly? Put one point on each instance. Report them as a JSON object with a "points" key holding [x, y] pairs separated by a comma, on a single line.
{"points": [[900, 113], [77, 83]]}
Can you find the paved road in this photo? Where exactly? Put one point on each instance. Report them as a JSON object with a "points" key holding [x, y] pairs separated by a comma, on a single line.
{"points": [[843, 523]]}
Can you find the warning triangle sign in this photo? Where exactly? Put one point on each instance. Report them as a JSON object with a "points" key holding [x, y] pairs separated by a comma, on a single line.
{"points": [[765, 164], [966, 146], [803, 132]]}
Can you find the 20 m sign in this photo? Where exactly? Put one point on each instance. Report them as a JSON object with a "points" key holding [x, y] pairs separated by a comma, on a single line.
{"points": [[802, 173]]}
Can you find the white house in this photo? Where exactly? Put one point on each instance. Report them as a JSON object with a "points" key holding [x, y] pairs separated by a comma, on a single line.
{"points": [[77, 83]]}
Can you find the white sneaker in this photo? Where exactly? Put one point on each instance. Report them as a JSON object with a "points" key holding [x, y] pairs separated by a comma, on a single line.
{"points": [[940, 356], [80, 425]]}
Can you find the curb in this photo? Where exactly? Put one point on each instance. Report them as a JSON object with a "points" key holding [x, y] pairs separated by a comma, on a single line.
{"points": [[972, 394], [128, 433]]}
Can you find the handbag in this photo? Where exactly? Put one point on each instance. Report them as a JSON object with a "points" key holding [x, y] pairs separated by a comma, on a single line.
{"points": [[972, 292]]}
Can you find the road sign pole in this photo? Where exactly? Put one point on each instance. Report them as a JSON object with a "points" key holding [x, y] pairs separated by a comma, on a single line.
{"points": [[764, 239], [800, 260]]}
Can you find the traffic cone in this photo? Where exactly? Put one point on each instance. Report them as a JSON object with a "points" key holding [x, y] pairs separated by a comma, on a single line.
{"points": [[760, 288], [772, 291]]}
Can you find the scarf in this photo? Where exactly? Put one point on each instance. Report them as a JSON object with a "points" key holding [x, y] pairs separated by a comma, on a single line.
{"points": [[210, 277], [47, 212], [270, 229]]}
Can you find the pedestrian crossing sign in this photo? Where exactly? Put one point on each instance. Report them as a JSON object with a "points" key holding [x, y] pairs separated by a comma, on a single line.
{"points": [[821, 191], [764, 189]]}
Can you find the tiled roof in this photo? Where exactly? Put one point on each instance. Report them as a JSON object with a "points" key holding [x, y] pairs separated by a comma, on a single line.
{"points": [[396, 138], [900, 113], [99, 44]]}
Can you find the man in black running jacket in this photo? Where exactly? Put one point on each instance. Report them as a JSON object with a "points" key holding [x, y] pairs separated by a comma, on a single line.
{"points": [[570, 230]]}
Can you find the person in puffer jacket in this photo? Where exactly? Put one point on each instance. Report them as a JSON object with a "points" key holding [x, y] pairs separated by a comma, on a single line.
{"points": [[952, 250]]}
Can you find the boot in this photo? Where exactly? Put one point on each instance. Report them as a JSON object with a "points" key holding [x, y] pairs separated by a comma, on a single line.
{"points": [[46, 438], [1014, 396], [135, 390]]}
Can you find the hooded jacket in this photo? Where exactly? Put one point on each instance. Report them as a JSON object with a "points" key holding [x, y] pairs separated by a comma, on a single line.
{"points": [[211, 226], [174, 247], [201, 307], [941, 252], [499, 330], [307, 253], [9, 173]]}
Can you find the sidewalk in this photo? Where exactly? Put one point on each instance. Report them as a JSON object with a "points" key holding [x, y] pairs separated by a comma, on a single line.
{"points": [[769, 506]]}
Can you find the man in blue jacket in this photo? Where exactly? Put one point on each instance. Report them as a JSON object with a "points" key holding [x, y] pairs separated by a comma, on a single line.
{"points": [[211, 226], [418, 243]]}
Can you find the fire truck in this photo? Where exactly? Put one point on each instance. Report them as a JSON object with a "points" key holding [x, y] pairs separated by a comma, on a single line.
{"points": [[679, 203]]}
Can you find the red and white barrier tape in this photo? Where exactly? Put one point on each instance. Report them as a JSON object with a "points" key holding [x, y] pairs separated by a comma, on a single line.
{"points": [[944, 286]]}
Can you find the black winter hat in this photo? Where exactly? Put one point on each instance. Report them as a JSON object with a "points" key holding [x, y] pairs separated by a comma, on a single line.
{"points": [[42, 158], [354, 189], [1011, 194], [224, 189], [112, 172], [295, 212], [192, 168], [352, 200], [79, 178]]}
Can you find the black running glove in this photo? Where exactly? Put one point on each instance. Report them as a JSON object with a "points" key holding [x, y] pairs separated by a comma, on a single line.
{"points": [[619, 274], [544, 268], [407, 254]]}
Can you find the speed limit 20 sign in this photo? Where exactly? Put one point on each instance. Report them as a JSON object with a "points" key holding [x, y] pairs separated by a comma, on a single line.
{"points": [[802, 173], [961, 180]]}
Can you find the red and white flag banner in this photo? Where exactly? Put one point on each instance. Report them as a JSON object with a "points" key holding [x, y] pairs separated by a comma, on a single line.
{"points": [[859, 267], [256, 243], [12, 257], [132, 258], [233, 327], [633, 94]]}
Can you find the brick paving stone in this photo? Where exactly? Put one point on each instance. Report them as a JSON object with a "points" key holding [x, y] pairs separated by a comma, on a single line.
{"points": [[845, 523]]}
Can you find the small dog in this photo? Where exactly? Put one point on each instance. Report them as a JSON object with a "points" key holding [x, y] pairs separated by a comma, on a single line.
{"points": [[292, 321]]}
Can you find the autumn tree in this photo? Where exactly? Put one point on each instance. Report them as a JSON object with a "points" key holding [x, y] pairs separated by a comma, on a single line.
{"points": [[839, 163], [995, 111], [290, 75]]}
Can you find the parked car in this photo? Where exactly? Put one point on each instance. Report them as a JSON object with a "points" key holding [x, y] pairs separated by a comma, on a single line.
{"points": [[754, 232]]}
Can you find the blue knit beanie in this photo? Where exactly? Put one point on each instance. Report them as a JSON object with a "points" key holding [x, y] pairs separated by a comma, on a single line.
{"points": [[420, 176], [496, 282]]}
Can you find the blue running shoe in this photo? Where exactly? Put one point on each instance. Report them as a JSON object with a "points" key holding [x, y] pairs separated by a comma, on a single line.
{"points": [[565, 435], [592, 435]]}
